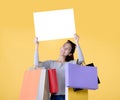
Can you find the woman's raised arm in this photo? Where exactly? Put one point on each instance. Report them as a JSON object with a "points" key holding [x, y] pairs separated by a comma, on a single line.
{"points": [[36, 53], [80, 55]]}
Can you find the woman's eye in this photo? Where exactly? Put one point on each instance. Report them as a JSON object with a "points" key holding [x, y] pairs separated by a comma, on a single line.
{"points": [[67, 49]]}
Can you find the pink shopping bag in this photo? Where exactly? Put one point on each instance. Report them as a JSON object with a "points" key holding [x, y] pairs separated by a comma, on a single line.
{"points": [[34, 86]]}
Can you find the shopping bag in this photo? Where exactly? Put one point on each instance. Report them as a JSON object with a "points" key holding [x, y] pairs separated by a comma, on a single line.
{"points": [[89, 65], [77, 76], [53, 82], [35, 85]]}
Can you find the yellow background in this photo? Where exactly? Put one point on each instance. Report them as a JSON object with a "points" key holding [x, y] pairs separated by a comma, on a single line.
{"points": [[97, 23]]}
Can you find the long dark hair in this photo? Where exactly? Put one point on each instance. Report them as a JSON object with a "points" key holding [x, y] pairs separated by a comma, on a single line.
{"points": [[71, 57]]}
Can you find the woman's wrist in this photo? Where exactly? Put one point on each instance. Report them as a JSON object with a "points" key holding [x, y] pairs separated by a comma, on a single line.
{"points": [[77, 43], [36, 42], [36, 46]]}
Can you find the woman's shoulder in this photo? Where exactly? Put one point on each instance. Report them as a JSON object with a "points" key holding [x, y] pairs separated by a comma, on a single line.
{"points": [[72, 61], [54, 61], [50, 61]]}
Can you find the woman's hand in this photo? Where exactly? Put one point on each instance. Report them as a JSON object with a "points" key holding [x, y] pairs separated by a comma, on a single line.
{"points": [[36, 40], [76, 38]]}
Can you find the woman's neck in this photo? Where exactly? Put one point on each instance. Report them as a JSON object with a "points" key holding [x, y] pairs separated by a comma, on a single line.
{"points": [[61, 59]]}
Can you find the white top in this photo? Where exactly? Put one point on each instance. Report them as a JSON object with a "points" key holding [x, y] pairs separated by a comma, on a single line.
{"points": [[60, 68]]}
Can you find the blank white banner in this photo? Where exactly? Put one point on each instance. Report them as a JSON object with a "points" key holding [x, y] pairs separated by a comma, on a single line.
{"points": [[55, 24]]}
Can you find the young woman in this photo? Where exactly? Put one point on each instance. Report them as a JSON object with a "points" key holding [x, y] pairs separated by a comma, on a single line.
{"points": [[66, 56]]}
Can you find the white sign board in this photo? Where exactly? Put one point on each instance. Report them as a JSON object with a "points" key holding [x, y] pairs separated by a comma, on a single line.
{"points": [[55, 24]]}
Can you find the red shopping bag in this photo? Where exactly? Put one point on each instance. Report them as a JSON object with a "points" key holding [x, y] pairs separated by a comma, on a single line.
{"points": [[53, 82]]}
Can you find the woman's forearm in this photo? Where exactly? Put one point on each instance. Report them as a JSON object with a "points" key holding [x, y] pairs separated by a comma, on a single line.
{"points": [[80, 55], [36, 55]]}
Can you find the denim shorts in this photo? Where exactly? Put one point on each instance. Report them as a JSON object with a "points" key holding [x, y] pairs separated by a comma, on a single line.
{"points": [[57, 97]]}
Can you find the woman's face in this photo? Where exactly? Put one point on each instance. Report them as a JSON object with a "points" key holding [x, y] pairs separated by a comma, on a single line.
{"points": [[65, 49]]}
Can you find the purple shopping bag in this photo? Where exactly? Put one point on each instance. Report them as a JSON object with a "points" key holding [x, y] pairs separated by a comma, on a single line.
{"points": [[84, 77]]}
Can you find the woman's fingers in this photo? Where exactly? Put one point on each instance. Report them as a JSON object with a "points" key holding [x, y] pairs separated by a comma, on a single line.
{"points": [[76, 37]]}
